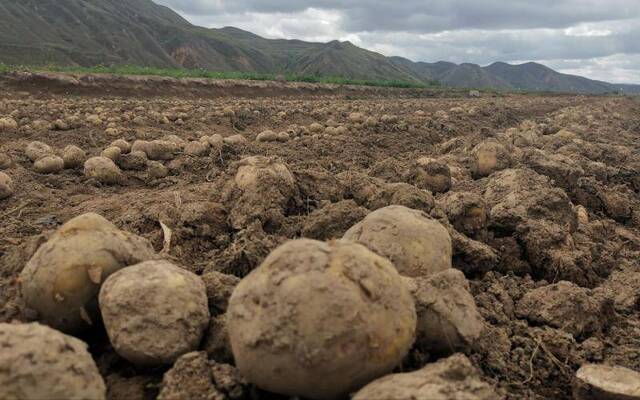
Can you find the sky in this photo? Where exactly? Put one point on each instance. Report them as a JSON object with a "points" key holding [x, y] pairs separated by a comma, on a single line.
{"points": [[599, 39]]}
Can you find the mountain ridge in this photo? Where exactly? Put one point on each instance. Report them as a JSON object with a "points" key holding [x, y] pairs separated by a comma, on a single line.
{"points": [[141, 32]]}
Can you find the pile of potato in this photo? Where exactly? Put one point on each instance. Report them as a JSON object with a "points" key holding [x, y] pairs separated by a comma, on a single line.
{"points": [[316, 319]]}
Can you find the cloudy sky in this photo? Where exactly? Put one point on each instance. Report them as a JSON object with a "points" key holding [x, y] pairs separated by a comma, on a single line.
{"points": [[599, 39]]}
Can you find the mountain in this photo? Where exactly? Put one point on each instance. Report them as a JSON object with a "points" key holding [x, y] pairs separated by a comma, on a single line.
{"points": [[141, 32]]}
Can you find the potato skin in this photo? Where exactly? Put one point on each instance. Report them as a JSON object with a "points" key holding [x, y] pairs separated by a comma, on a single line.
{"points": [[62, 279], [37, 362], [320, 320], [154, 312], [6, 186], [416, 244]]}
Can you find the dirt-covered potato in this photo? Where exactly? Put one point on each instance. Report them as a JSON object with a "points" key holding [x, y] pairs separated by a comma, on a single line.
{"points": [[8, 124], [453, 378], [157, 149], [196, 149], [448, 318], [489, 157], [320, 320], [261, 190], [113, 153], [37, 150], [6, 186], [62, 279], [124, 146], [102, 169], [135, 160], [467, 212], [5, 161], [49, 165], [267, 136], [432, 175], [154, 312], [606, 382], [73, 157], [416, 244], [157, 170], [37, 362]]}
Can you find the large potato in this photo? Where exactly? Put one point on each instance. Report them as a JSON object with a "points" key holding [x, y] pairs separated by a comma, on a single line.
{"points": [[37, 362], [416, 244], [154, 312], [62, 279], [320, 320]]}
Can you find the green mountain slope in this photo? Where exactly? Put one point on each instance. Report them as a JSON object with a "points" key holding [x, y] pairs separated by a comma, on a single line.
{"points": [[141, 32]]}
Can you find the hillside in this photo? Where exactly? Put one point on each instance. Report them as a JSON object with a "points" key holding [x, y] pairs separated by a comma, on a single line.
{"points": [[140, 32]]}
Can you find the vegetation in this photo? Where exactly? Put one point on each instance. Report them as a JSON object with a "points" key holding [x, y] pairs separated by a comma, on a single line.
{"points": [[202, 73]]}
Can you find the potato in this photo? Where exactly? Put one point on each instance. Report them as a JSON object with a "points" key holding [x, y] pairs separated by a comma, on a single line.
{"points": [[489, 157], [154, 312], [6, 186], [432, 175], [235, 140], [261, 190], [112, 153], [5, 161], [448, 318], [62, 279], [157, 170], [37, 150], [49, 165], [8, 124], [196, 149], [73, 157], [157, 149], [453, 378], [319, 320], [466, 211], [124, 146], [103, 170], [216, 140], [37, 362], [316, 128], [606, 382], [267, 136], [135, 160], [416, 244]]}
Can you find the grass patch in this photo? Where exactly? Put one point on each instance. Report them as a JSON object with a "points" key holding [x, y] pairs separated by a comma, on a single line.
{"points": [[201, 73]]}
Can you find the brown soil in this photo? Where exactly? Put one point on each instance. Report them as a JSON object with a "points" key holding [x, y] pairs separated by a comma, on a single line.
{"points": [[565, 152]]}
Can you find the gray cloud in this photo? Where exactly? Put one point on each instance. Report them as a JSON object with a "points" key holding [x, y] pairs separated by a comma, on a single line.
{"points": [[596, 38]]}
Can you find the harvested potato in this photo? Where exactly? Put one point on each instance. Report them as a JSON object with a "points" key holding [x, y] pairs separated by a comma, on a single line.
{"points": [[453, 378], [37, 150], [6, 186], [216, 140], [102, 169], [73, 157], [316, 128], [5, 161], [37, 362], [157, 149], [154, 312], [196, 149], [606, 382], [124, 146], [261, 190], [135, 160], [235, 140], [62, 279], [113, 153], [157, 170], [432, 175], [267, 136], [466, 211], [448, 319], [49, 165], [320, 320], [416, 244], [489, 157], [8, 124]]}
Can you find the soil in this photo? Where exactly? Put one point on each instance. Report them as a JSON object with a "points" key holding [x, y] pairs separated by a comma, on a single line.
{"points": [[566, 209]]}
